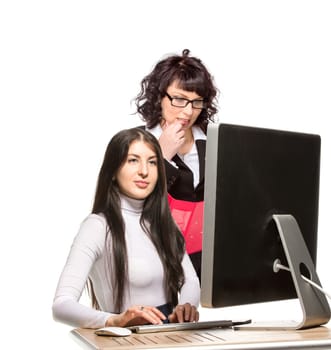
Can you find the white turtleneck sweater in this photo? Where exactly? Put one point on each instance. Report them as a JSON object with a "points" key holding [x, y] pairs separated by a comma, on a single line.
{"points": [[145, 272]]}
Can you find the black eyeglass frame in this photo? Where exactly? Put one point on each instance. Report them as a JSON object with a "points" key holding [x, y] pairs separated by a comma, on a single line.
{"points": [[187, 101]]}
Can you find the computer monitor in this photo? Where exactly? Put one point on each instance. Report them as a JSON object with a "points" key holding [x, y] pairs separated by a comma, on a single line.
{"points": [[260, 213]]}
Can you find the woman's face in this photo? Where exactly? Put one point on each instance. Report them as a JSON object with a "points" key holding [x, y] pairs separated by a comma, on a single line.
{"points": [[138, 175], [184, 115]]}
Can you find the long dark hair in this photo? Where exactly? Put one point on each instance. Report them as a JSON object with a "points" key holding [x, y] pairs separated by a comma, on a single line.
{"points": [[191, 75], [163, 232]]}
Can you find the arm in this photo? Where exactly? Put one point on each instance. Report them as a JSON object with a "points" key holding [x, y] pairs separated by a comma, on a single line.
{"points": [[186, 310], [87, 247], [190, 292], [172, 173]]}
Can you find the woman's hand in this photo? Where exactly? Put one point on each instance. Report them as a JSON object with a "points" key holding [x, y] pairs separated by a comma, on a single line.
{"points": [[184, 313], [171, 140], [136, 315]]}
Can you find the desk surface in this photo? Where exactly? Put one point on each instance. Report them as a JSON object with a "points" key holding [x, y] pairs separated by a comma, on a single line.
{"points": [[314, 338]]}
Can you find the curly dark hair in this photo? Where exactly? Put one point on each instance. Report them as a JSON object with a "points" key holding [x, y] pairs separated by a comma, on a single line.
{"points": [[191, 75]]}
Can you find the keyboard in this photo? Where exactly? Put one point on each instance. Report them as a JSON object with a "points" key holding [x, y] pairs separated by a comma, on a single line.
{"points": [[168, 327]]}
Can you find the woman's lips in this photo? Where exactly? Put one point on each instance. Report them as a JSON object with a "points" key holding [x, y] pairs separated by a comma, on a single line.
{"points": [[141, 184], [184, 122]]}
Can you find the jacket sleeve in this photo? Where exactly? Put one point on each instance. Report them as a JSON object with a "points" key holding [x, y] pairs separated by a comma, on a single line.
{"points": [[172, 173]]}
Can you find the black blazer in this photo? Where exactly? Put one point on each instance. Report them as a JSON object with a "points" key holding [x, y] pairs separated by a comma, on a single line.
{"points": [[180, 180]]}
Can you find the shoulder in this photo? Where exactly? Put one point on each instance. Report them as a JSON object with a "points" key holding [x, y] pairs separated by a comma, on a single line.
{"points": [[97, 221], [156, 131], [92, 232], [198, 134]]}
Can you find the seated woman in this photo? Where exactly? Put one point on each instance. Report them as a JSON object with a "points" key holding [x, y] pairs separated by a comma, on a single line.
{"points": [[129, 251]]}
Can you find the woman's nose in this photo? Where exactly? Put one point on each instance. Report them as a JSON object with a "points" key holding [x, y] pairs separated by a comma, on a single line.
{"points": [[188, 109], [143, 169]]}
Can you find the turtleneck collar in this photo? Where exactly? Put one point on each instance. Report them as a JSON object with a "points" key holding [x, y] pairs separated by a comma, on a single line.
{"points": [[131, 204]]}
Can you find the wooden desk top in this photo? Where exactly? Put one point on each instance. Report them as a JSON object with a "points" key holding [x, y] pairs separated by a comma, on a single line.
{"points": [[314, 338]]}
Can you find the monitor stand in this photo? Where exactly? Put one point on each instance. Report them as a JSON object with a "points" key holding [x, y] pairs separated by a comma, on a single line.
{"points": [[314, 305]]}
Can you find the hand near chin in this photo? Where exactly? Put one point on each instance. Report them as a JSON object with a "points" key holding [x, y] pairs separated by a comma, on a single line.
{"points": [[171, 139], [184, 313]]}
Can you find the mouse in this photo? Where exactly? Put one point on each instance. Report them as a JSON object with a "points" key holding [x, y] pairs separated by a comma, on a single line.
{"points": [[114, 331]]}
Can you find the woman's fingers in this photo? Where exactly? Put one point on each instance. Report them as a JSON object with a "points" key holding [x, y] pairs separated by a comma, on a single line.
{"points": [[152, 313], [184, 313], [136, 315]]}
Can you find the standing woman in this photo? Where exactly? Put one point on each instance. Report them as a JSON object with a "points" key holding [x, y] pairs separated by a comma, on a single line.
{"points": [[128, 250], [177, 101]]}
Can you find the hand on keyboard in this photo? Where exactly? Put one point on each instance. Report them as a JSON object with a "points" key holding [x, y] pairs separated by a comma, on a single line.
{"points": [[184, 313]]}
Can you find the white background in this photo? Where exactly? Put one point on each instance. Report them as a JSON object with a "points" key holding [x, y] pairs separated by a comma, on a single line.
{"points": [[68, 72]]}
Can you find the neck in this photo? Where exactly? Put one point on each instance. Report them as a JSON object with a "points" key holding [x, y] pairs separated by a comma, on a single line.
{"points": [[131, 204], [189, 140]]}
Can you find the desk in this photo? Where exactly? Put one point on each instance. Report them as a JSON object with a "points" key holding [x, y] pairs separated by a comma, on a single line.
{"points": [[314, 338]]}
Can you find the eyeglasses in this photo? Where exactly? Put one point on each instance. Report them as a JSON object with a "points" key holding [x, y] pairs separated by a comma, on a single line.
{"points": [[183, 102]]}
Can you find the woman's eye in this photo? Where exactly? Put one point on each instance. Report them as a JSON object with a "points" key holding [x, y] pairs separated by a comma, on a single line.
{"points": [[153, 162], [132, 160]]}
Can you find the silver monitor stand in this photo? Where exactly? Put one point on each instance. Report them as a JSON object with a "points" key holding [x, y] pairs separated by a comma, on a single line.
{"points": [[314, 305]]}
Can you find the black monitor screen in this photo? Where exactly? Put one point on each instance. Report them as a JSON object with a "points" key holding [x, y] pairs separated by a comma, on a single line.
{"points": [[251, 174]]}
